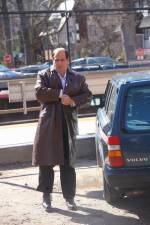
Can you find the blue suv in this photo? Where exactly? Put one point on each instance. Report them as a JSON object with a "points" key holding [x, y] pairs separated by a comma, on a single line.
{"points": [[123, 135]]}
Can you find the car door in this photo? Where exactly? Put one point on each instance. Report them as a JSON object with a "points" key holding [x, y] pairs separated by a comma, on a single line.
{"points": [[105, 118]]}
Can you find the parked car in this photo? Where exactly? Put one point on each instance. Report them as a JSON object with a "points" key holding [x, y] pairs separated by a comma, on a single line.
{"points": [[96, 63], [123, 135], [33, 69], [6, 73]]}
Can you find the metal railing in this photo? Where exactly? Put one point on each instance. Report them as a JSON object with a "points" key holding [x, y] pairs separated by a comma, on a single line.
{"points": [[21, 89]]}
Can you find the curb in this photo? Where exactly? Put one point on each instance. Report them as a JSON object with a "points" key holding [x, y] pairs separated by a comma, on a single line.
{"points": [[23, 152]]}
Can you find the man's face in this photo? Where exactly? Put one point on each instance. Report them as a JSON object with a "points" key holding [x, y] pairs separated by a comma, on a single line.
{"points": [[60, 62]]}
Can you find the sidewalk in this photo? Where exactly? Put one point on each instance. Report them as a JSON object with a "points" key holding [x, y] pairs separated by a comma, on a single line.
{"points": [[11, 135], [21, 203]]}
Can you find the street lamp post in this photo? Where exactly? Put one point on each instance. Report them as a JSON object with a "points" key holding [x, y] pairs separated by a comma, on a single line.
{"points": [[68, 39], [47, 25], [67, 27], [48, 46]]}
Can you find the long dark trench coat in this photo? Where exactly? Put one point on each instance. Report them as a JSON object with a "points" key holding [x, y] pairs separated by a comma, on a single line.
{"points": [[48, 143]]}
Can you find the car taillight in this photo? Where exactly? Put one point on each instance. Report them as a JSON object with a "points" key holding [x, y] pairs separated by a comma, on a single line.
{"points": [[115, 157]]}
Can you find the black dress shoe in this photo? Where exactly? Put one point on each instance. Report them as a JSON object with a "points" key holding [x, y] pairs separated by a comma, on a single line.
{"points": [[46, 202], [71, 204]]}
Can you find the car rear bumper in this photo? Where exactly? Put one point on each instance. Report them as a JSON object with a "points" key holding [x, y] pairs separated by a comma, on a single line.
{"points": [[128, 178]]}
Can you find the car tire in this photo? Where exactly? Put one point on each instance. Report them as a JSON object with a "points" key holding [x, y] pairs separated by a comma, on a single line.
{"points": [[110, 194], [98, 158]]}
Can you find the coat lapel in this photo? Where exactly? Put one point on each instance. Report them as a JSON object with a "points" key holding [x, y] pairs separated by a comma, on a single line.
{"points": [[69, 82], [55, 80]]}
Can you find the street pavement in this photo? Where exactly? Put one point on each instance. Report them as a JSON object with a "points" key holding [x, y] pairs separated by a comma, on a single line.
{"points": [[11, 135], [20, 203]]}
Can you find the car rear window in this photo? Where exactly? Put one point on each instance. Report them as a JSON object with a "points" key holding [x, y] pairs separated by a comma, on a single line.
{"points": [[137, 109]]}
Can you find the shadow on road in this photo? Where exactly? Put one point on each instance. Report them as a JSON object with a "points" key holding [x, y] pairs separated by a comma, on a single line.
{"points": [[93, 194], [138, 204], [135, 204], [133, 210], [25, 186], [92, 216]]}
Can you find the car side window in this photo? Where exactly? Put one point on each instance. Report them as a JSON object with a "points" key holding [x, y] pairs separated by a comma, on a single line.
{"points": [[108, 94], [112, 103], [91, 61]]}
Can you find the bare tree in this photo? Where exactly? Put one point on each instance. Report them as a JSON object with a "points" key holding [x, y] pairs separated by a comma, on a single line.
{"points": [[32, 25], [25, 33], [108, 24], [7, 32], [128, 28]]}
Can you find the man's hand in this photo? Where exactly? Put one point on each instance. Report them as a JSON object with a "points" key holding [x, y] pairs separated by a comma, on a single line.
{"points": [[66, 100]]}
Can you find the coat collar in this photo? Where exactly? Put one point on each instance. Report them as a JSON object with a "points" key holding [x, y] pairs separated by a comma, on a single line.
{"points": [[69, 77], [69, 74]]}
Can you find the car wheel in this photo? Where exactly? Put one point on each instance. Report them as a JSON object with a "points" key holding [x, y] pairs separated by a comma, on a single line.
{"points": [[98, 159], [110, 194]]}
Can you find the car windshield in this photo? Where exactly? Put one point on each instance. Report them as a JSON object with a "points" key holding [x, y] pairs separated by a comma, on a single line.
{"points": [[92, 60], [137, 109], [78, 62], [3, 68], [103, 60], [30, 70]]}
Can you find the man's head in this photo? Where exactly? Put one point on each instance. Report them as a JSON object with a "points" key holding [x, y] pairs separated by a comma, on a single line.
{"points": [[60, 60]]}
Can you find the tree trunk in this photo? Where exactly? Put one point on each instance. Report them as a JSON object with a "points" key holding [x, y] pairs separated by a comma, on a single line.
{"points": [[128, 28], [29, 59], [7, 28]]}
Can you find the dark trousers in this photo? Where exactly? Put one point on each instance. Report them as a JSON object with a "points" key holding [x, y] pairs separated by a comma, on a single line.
{"points": [[67, 173], [67, 178]]}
